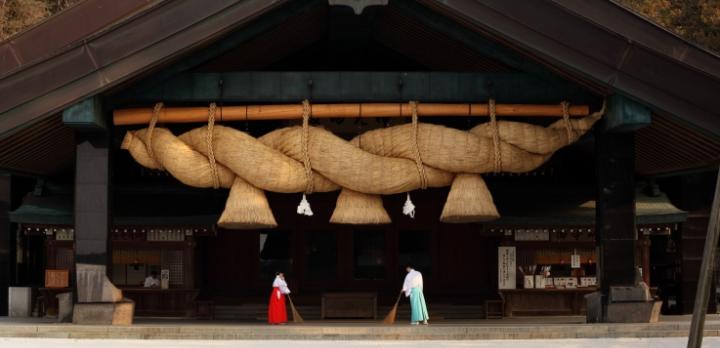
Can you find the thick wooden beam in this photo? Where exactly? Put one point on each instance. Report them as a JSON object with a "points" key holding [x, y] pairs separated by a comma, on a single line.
{"points": [[86, 114], [350, 86], [362, 110], [626, 115]]}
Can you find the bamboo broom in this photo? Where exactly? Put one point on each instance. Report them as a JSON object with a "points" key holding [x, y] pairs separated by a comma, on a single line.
{"points": [[390, 317], [295, 314]]}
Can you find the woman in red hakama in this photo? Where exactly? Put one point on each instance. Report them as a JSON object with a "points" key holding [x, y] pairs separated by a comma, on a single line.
{"points": [[277, 313]]}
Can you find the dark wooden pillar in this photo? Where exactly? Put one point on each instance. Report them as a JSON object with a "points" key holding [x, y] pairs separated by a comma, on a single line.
{"points": [[615, 177], [92, 180], [7, 244], [92, 211], [615, 212]]}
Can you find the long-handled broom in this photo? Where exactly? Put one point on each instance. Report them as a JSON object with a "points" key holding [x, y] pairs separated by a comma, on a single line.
{"points": [[390, 317], [295, 314]]}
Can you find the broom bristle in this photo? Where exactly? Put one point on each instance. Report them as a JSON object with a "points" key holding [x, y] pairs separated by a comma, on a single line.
{"points": [[390, 317], [296, 315]]}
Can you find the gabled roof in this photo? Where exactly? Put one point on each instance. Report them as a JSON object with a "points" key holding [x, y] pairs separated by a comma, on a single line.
{"points": [[609, 45], [119, 49], [102, 43]]}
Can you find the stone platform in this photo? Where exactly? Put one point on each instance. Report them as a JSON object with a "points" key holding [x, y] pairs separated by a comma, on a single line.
{"points": [[516, 328]]}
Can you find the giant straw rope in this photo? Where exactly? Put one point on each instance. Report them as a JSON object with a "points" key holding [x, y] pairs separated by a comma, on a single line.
{"points": [[388, 161]]}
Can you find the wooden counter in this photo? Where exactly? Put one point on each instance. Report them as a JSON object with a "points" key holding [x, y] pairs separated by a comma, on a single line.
{"points": [[162, 302], [545, 301]]}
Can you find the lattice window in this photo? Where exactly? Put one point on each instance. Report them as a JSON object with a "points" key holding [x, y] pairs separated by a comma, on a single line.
{"points": [[64, 258], [173, 260]]}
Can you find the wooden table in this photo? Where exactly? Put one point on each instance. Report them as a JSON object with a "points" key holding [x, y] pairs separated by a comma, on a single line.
{"points": [[349, 305], [545, 301], [162, 302]]}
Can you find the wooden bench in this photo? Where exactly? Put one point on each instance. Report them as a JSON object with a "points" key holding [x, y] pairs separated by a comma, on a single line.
{"points": [[349, 305]]}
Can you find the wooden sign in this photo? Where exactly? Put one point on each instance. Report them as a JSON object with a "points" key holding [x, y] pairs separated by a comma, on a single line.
{"points": [[57, 278], [532, 235], [506, 267]]}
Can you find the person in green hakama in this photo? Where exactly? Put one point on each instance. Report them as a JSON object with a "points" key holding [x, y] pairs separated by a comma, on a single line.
{"points": [[413, 288]]}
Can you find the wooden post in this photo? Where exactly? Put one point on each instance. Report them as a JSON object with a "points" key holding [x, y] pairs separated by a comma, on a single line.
{"points": [[702, 296], [615, 212], [644, 244], [7, 243], [92, 211]]}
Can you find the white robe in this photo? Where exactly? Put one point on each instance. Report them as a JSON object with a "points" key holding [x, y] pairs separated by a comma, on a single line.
{"points": [[413, 279], [151, 282], [282, 285]]}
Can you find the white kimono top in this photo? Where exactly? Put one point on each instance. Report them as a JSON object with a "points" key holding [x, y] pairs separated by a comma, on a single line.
{"points": [[413, 279], [151, 282], [281, 285]]}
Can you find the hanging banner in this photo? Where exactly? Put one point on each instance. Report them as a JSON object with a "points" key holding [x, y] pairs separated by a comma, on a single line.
{"points": [[164, 278], [575, 261], [506, 267]]}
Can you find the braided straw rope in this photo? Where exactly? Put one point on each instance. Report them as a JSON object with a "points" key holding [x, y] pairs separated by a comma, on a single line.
{"points": [[566, 118], [386, 162], [151, 128], [418, 158], [495, 136], [306, 156], [211, 155]]}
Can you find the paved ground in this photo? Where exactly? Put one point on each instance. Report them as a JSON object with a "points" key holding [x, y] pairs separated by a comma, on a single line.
{"points": [[570, 343], [471, 331]]}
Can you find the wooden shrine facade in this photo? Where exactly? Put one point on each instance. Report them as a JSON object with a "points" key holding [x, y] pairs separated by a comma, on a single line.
{"points": [[60, 127]]}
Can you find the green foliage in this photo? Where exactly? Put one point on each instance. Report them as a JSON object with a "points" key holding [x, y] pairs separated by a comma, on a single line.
{"points": [[17, 15]]}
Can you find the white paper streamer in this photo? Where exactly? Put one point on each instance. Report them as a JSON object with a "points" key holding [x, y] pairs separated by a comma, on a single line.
{"points": [[304, 207], [409, 207]]}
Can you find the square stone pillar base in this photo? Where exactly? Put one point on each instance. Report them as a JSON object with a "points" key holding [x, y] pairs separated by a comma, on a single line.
{"points": [[634, 312], [119, 313]]}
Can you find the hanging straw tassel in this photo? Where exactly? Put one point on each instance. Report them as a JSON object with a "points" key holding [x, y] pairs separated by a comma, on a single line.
{"points": [[304, 207], [390, 317], [409, 207], [353, 207], [296, 315]]}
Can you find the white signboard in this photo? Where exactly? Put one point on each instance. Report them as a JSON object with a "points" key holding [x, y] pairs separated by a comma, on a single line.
{"points": [[506, 267], [165, 278], [575, 261]]}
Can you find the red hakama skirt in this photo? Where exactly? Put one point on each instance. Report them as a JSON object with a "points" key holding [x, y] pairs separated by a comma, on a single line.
{"points": [[277, 314]]}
